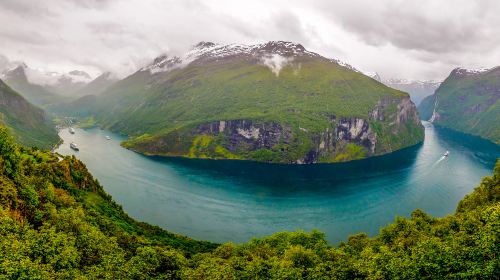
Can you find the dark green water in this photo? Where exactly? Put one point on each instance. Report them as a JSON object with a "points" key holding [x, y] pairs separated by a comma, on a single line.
{"points": [[234, 201]]}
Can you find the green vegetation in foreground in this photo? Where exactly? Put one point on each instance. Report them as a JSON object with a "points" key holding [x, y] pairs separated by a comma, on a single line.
{"points": [[56, 221], [27, 123], [468, 103]]}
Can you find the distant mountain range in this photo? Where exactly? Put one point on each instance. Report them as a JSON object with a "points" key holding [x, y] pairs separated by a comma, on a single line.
{"points": [[468, 101], [28, 124], [50, 89], [34, 93], [418, 89], [273, 102]]}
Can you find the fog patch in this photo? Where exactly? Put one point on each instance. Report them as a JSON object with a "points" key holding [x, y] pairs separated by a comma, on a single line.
{"points": [[296, 68], [276, 62]]}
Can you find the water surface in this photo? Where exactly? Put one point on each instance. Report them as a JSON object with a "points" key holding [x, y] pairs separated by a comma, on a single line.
{"points": [[233, 200]]}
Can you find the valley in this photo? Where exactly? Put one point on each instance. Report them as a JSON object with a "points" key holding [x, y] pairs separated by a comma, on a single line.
{"points": [[235, 200], [206, 140], [260, 102], [467, 101]]}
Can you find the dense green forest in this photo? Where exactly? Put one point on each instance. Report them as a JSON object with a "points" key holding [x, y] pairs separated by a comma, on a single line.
{"points": [[56, 221]]}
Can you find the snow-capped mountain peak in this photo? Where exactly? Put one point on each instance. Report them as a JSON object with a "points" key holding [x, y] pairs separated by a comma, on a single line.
{"points": [[467, 71], [208, 51], [44, 77]]}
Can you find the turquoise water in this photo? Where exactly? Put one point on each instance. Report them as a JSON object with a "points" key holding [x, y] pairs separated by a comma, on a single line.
{"points": [[233, 201]]}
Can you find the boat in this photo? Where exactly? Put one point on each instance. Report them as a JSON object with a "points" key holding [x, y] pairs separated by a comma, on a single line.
{"points": [[447, 153], [108, 138], [73, 146], [71, 130]]}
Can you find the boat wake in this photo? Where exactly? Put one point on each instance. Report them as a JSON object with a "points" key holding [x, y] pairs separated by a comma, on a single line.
{"points": [[439, 160]]}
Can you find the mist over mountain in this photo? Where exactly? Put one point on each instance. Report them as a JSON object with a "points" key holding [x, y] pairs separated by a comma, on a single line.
{"points": [[418, 90], [274, 101], [34, 93], [232, 139]]}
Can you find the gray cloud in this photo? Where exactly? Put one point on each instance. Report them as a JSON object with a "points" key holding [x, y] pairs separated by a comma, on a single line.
{"points": [[399, 26], [410, 39], [26, 8], [447, 32]]}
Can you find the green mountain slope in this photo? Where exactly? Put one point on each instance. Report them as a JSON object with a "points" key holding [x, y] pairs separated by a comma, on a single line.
{"points": [[98, 85], [56, 221], [28, 123], [85, 99], [467, 101], [272, 102]]}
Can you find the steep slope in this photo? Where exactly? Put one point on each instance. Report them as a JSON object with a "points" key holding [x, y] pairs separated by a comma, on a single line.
{"points": [[57, 222], [98, 85], [272, 102], [34, 93], [28, 123], [86, 98], [467, 101], [418, 90]]}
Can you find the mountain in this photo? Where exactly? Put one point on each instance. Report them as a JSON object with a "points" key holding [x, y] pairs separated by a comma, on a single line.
{"points": [[373, 75], [468, 101], [98, 85], [34, 93], [57, 222], [273, 102], [70, 83], [86, 98], [27, 123], [418, 90]]}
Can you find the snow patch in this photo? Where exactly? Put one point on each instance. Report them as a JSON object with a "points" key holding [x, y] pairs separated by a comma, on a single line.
{"points": [[461, 70], [276, 62]]}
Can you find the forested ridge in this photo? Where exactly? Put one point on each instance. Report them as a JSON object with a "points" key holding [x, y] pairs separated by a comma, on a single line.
{"points": [[56, 221], [467, 101]]}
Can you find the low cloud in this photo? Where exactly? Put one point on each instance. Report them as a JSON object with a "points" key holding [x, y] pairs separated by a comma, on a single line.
{"points": [[420, 39], [276, 62]]}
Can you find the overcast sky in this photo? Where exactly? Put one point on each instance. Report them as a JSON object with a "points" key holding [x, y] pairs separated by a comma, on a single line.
{"points": [[422, 39]]}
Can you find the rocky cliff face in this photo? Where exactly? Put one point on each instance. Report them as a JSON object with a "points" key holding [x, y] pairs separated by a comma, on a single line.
{"points": [[247, 134], [346, 138]]}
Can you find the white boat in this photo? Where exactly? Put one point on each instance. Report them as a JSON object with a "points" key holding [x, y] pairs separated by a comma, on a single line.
{"points": [[447, 153], [108, 138], [73, 146], [71, 130]]}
